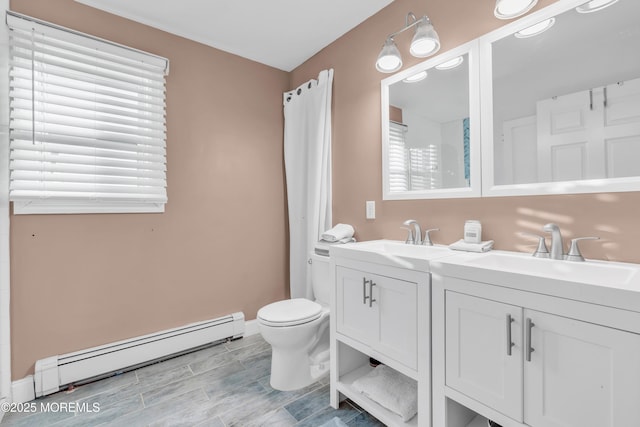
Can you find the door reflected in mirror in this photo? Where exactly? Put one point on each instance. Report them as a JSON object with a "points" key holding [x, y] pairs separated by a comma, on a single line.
{"points": [[566, 101]]}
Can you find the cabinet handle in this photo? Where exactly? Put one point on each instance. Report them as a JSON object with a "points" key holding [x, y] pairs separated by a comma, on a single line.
{"points": [[591, 99], [605, 97], [529, 326], [364, 290], [371, 300], [510, 343]]}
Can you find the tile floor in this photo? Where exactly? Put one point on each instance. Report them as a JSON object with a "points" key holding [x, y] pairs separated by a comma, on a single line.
{"points": [[220, 386]]}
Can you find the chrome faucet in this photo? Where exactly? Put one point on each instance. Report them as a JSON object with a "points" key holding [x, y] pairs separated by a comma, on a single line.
{"points": [[415, 237], [574, 251], [557, 247], [541, 251], [427, 237]]}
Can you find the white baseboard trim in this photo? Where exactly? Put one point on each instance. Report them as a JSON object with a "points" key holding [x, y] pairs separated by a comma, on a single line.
{"points": [[23, 390], [251, 327]]}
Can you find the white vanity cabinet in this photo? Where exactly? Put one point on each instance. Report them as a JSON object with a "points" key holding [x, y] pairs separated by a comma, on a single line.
{"points": [[580, 374], [480, 363], [379, 312], [522, 358]]}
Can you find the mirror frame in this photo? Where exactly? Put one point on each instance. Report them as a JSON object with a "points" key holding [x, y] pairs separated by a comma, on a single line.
{"points": [[489, 188], [474, 190]]}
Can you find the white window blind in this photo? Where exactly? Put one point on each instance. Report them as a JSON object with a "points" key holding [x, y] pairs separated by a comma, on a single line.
{"points": [[87, 123], [398, 158], [424, 172]]}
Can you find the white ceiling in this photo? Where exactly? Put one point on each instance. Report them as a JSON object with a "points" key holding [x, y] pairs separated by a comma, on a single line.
{"points": [[279, 33]]}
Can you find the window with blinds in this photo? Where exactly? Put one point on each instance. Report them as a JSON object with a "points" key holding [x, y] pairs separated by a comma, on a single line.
{"points": [[398, 158], [87, 123], [423, 168], [411, 168]]}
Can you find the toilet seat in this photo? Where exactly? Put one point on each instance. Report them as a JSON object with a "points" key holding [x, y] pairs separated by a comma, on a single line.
{"points": [[289, 312]]}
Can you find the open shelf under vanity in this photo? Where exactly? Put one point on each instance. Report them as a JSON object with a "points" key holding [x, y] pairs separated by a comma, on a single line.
{"points": [[478, 421], [344, 386]]}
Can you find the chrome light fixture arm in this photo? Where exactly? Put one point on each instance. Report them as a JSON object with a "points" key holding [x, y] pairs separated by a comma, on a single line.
{"points": [[425, 42], [408, 25]]}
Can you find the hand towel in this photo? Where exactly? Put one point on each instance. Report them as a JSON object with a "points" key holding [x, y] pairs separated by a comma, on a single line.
{"points": [[339, 232], [390, 389], [461, 245]]}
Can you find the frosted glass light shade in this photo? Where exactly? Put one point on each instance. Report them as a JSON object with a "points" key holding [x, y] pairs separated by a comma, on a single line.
{"points": [[389, 59], [416, 77], [535, 29], [450, 64], [425, 41], [508, 9], [594, 6]]}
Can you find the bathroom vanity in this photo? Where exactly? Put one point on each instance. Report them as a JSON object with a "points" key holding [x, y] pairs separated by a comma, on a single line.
{"points": [[381, 303], [535, 342], [522, 341]]}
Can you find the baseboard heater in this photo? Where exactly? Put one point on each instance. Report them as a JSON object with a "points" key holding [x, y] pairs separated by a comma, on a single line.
{"points": [[53, 373]]}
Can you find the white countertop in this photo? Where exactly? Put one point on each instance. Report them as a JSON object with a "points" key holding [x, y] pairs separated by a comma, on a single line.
{"points": [[611, 284], [605, 283]]}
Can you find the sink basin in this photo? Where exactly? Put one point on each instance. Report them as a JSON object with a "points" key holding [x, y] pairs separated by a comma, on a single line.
{"points": [[392, 252], [588, 272], [398, 248]]}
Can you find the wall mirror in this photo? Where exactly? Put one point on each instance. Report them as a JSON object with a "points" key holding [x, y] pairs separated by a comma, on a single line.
{"points": [[430, 128], [561, 106]]}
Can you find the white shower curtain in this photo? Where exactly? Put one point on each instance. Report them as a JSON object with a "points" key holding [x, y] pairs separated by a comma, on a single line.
{"points": [[307, 159]]}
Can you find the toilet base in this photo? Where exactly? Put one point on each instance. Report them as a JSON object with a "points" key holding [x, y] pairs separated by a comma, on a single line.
{"points": [[300, 353], [292, 369]]}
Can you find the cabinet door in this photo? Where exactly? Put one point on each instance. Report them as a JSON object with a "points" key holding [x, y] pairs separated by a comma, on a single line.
{"points": [[397, 302], [581, 374], [388, 323], [355, 318], [478, 363]]}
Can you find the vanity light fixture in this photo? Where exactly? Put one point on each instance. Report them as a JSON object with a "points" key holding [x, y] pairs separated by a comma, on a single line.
{"points": [[389, 59], [536, 29], [594, 6], [416, 77], [508, 9], [450, 64], [425, 42]]}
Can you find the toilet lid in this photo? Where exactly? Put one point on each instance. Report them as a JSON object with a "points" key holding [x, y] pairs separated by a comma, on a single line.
{"points": [[289, 312]]}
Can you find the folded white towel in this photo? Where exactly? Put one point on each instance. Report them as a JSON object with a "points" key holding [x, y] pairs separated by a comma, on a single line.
{"points": [[390, 389], [339, 232], [461, 245]]}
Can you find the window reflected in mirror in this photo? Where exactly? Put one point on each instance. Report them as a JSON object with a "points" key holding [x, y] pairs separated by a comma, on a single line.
{"points": [[429, 129]]}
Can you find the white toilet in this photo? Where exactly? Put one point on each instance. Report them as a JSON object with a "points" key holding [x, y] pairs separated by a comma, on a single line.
{"points": [[298, 331]]}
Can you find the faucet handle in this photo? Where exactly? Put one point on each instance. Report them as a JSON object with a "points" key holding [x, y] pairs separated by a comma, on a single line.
{"points": [[409, 240], [541, 251], [427, 236], [574, 251]]}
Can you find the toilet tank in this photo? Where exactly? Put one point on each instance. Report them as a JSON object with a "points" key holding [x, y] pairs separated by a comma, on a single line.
{"points": [[320, 280]]}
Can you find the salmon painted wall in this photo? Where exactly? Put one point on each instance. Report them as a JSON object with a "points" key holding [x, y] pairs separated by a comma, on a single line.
{"points": [[79, 281], [357, 158], [221, 246]]}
